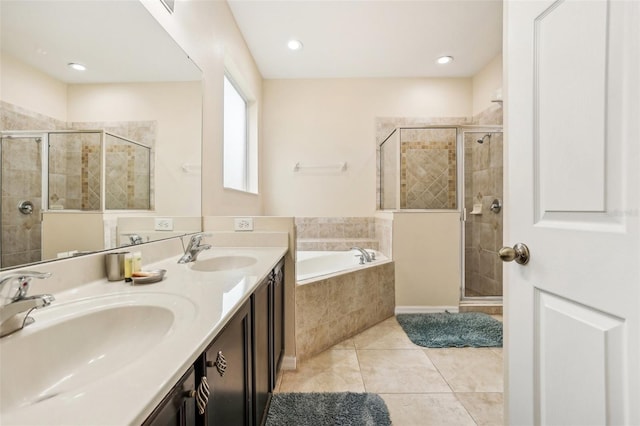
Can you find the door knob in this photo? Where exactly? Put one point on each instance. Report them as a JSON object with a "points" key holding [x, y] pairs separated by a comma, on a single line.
{"points": [[519, 253]]}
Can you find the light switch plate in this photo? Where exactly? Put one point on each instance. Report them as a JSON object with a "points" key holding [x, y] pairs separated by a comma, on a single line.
{"points": [[243, 224], [163, 224]]}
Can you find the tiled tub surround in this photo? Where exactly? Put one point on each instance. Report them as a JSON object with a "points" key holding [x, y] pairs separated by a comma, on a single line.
{"points": [[483, 232], [330, 310], [342, 233], [129, 394]]}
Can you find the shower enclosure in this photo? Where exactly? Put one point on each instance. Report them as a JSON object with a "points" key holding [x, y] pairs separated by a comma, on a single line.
{"points": [[452, 168], [82, 170]]}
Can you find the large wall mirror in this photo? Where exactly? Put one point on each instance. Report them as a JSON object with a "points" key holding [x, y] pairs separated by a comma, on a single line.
{"points": [[92, 157]]}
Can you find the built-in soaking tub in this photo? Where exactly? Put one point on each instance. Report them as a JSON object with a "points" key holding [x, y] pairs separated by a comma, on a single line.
{"points": [[336, 297], [314, 265]]}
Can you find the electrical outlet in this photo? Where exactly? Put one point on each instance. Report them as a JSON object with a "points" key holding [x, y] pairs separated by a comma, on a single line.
{"points": [[163, 224], [243, 224]]}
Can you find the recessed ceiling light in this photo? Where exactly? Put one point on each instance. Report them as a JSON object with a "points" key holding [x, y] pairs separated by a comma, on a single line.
{"points": [[76, 66], [294, 44], [444, 59]]}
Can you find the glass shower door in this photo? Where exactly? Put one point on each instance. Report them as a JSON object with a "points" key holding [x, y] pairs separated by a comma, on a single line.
{"points": [[483, 172], [21, 183]]}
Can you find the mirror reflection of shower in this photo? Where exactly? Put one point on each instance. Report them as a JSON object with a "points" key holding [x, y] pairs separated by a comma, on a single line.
{"points": [[487, 137], [64, 170]]}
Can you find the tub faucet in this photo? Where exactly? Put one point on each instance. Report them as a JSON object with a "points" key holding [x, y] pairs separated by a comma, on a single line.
{"points": [[16, 305], [365, 254], [193, 249]]}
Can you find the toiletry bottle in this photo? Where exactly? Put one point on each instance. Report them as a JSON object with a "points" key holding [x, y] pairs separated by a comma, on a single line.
{"points": [[128, 266], [137, 262]]}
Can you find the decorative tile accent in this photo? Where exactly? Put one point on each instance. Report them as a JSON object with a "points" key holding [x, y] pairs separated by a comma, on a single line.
{"points": [[428, 168]]}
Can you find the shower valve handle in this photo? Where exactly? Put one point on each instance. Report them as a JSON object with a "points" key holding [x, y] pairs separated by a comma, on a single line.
{"points": [[519, 253]]}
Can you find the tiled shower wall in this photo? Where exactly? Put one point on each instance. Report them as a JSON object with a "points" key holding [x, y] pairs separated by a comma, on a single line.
{"points": [[483, 232], [342, 233], [428, 168]]}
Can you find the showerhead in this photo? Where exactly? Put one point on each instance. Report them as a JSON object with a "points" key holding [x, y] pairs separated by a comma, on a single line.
{"points": [[487, 136]]}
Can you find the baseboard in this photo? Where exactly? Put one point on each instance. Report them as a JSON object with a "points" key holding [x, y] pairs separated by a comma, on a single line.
{"points": [[289, 363], [425, 309]]}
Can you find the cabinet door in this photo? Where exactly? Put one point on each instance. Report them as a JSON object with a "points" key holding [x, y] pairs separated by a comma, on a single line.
{"points": [[261, 341], [277, 306], [228, 364], [178, 408]]}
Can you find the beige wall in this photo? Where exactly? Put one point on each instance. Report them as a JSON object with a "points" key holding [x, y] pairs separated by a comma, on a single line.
{"points": [[66, 231], [485, 84], [426, 250], [208, 33], [176, 107], [331, 121], [31, 89]]}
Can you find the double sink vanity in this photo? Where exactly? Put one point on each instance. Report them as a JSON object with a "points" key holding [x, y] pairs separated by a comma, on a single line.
{"points": [[200, 347]]}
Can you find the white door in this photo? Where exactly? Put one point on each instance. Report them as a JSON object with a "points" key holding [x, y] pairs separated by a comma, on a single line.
{"points": [[572, 121]]}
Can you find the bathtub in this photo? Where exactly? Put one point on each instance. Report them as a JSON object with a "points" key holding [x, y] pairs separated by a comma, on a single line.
{"points": [[336, 298], [313, 265]]}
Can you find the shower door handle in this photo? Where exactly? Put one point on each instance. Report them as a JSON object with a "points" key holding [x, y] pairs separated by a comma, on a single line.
{"points": [[519, 253], [25, 207]]}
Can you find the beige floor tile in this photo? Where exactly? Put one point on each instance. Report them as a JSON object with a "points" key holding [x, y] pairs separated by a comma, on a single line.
{"points": [[330, 371], [345, 344], [498, 317], [469, 369], [386, 335], [399, 371], [487, 409], [426, 409]]}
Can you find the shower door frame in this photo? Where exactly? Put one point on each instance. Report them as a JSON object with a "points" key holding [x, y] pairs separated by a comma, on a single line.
{"points": [[461, 131], [44, 166]]}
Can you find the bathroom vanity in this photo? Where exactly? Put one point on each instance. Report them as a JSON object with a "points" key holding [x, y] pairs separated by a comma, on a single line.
{"points": [[240, 365], [115, 353]]}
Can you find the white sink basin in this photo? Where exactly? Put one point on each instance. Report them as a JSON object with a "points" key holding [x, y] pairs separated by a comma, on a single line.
{"points": [[78, 343], [223, 263]]}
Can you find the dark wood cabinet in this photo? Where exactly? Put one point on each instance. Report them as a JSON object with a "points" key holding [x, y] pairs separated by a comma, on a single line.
{"points": [[261, 348], [178, 408], [240, 366], [227, 365], [277, 318]]}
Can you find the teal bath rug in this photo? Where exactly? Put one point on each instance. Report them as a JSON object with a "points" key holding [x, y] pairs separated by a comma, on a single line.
{"points": [[444, 330], [327, 409]]}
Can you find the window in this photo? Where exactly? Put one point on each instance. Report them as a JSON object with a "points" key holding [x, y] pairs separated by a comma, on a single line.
{"points": [[236, 141]]}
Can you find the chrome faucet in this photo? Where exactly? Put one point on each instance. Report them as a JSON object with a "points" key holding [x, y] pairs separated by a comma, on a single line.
{"points": [[193, 249], [135, 239], [16, 305], [365, 254]]}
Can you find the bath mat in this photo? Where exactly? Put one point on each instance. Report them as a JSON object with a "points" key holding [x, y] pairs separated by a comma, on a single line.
{"points": [[443, 330], [327, 409]]}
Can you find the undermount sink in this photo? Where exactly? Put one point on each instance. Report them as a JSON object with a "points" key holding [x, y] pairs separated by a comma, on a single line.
{"points": [[223, 263], [77, 343]]}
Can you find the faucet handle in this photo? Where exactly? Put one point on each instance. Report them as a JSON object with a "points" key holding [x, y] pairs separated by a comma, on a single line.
{"points": [[22, 279]]}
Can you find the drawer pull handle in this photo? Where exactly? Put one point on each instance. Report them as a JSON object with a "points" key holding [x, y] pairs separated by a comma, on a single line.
{"points": [[202, 396], [221, 363]]}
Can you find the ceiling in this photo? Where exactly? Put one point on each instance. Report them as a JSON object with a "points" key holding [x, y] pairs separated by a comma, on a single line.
{"points": [[118, 41], [370, 38]]}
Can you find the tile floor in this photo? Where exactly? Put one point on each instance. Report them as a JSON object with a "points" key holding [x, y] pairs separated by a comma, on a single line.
{"points": [[421, 386]]}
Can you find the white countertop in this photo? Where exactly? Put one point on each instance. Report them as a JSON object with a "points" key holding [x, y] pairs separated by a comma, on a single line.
{"points": [[128, 394]]}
